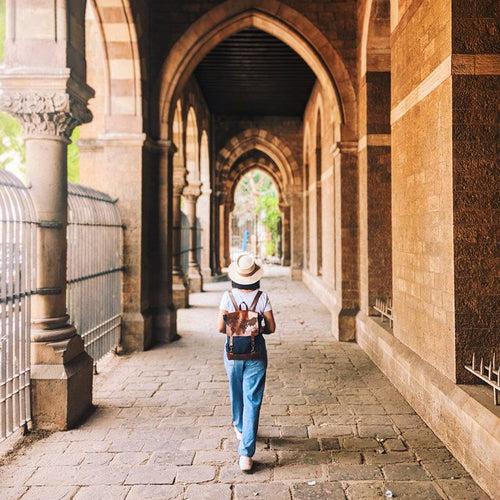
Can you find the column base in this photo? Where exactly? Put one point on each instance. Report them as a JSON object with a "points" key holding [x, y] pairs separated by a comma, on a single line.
{"points": [[137, 331], [195, 281], [296, 273], [61, 395], [344, 325], [165, 325], [180, 296], [180, 291]]}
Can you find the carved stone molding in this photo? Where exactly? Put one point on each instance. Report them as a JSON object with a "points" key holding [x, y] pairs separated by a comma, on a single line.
{"points": [[192, 191], [180, 175], [344, 147], [46, 113]]}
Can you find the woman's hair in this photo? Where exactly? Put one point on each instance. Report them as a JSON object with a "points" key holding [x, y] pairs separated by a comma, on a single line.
{"points": [[253, 286]]}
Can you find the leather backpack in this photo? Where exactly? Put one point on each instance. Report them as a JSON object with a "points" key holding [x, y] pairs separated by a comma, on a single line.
{"points": [[242, 327]]}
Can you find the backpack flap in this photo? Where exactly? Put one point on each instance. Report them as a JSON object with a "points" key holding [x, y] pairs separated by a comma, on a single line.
{"points": [[242, 326]]}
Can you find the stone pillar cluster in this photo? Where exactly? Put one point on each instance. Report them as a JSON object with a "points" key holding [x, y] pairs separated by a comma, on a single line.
{"points": [[191, 194], [61, 371], [180, 288]]}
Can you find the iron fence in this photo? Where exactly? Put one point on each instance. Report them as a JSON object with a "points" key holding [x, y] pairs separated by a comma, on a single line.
{"points": [[17, 285], [94, 268]]}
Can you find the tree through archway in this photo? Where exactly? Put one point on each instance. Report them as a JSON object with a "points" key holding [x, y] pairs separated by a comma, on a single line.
{"points": [[256, 218]]}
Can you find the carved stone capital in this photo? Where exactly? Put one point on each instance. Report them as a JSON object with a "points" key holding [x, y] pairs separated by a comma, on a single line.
{"points": [[42, 113], [179, 181], [192, 191]]}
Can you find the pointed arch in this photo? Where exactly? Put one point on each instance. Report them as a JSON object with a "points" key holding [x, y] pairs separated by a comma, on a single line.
{"points": [[123, 75], [177, 129], [375, 49], [318, 162], [192, 147], [265, 142], [270, 16], [204, 161]]}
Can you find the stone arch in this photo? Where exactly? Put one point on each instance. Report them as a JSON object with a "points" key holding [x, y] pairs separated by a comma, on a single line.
{"points": [[204, 208], [318, 172], [268, 166], [375, 50], [270, 16], [192, 147], [267, 143], [204, 160], [121, 50], [261, 163], [306, 203], [177, 135]]}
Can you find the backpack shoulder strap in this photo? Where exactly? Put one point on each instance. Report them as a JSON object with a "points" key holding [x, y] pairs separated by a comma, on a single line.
{"points": [[233, 300], [255, 301]]}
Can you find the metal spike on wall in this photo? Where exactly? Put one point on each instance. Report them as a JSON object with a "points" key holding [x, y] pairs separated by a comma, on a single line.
{"points": [[489, 374]]}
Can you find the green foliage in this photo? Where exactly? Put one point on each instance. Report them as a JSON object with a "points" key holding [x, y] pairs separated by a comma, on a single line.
{"points": [[12, 151], [11, 144], [268, 206], [256, 195], [2, 29], [74, 157]]}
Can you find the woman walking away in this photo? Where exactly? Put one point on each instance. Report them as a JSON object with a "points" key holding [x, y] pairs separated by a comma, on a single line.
{"points": [[245, 314]]}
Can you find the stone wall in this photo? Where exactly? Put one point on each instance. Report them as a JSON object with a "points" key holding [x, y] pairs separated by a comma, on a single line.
{"points": [[442, 155], [475, 86], [422, 179], [331, 208]]}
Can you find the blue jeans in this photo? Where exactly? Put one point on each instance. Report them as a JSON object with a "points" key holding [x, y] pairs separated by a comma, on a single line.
{"points": [[246, 390]]}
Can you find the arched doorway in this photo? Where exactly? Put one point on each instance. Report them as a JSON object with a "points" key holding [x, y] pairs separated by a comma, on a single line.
{"points": [[256, 220], [338, 133]]}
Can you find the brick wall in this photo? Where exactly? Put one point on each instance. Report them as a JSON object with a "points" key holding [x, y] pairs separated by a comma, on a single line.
{"points": [[475, 180], [422, 198]]}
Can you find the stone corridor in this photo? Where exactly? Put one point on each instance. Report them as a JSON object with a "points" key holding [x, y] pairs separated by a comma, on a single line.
{"points": [[332, 427]]}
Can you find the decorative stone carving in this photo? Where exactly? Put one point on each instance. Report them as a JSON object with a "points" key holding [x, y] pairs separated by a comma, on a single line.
{"points": [[344, 147], [192, 190], [46, 113], [180, 182]]}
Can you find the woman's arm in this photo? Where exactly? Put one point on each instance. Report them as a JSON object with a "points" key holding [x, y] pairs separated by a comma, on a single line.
{"points": [[221, 326], [270, 323]]}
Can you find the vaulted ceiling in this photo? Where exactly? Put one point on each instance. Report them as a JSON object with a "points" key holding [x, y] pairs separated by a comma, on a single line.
{"points": [[253, 73]]}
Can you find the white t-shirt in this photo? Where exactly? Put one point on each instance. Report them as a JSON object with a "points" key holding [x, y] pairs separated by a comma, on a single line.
{"points": [[263, 305]]}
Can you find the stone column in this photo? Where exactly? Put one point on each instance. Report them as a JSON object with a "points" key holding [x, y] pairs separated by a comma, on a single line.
{"points": [[285, 234], [125, 165], [226, 232], [191, 194], [164, 314], [297, 238], [346, 163], [61, 371], [180, 288], [204, 212]]}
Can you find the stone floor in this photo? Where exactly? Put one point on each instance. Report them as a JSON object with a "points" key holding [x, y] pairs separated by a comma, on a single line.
{"points": [[332, 427]]}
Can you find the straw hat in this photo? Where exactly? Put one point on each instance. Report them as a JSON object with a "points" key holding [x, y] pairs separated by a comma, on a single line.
{"points": [[244, 270]]}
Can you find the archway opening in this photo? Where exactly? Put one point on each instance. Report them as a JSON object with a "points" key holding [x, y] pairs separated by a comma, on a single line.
{"points": [[256, 219]]}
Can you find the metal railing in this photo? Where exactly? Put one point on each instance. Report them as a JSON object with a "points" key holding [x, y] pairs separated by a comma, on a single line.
{"points": [[488, 373], [384, 308], [94, 268], [17, 284]]}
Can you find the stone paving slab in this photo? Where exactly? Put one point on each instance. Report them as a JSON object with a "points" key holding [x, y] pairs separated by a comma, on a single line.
{"points": [[332, 426]]}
